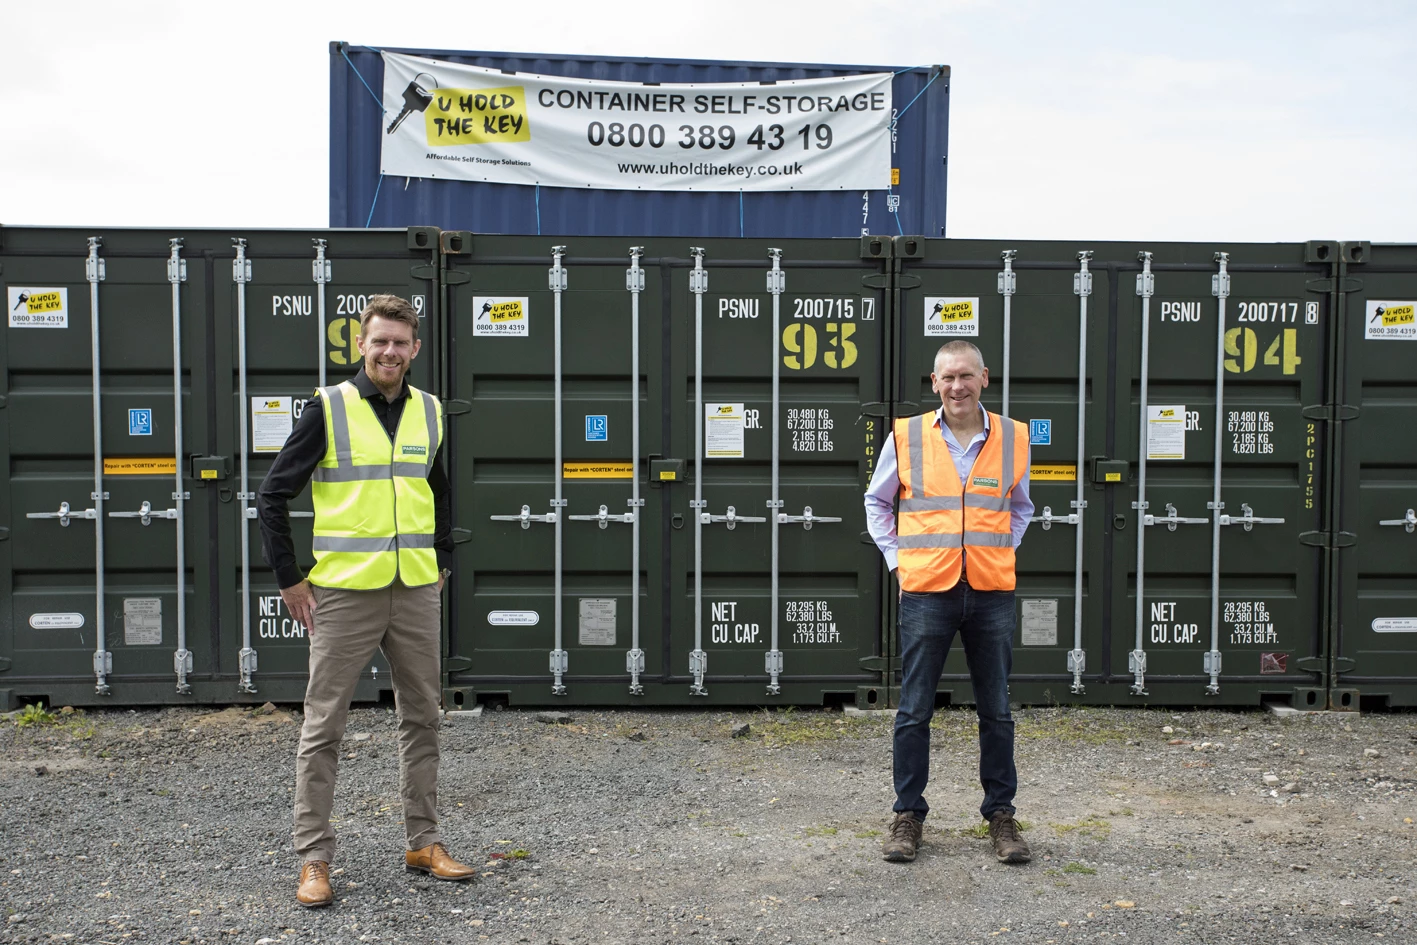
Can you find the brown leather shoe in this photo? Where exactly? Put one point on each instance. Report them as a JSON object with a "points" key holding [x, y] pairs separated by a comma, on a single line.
{"points": [[315, 890], [435, 861]]}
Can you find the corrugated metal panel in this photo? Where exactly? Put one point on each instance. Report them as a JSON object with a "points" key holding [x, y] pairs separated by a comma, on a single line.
{"points": [[359, 196]]}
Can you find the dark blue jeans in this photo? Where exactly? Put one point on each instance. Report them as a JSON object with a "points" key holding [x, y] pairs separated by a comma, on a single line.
{"points": [[985, 622]]}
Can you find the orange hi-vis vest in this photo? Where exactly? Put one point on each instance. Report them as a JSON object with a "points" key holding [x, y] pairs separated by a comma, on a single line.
{"points": [[944, 517]]}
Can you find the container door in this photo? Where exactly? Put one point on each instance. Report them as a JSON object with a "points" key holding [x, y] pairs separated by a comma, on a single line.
{"points": [[786, 423], [553, 596], [1376, 640], [297, 309], [102, 602], [1058, 318], [1231, 611]]}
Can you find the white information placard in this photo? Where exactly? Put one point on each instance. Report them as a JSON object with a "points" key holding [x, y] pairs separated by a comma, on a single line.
{"points": [[1165, 432], [272, 419], [723, 431]]}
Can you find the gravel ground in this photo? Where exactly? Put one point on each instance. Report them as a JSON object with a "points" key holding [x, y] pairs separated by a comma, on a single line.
{"points": [[173, 826]]}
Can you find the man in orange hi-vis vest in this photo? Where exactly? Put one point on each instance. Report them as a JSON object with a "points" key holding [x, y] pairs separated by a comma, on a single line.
{"points": [[961, 476]]}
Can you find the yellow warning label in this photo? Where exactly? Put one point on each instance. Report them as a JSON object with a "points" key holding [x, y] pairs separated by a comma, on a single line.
{"points": [[130, 466], [1166, 413], [477, 116], [895, 177], [605, 469], [1053, 472], [667, 474], [505, 312], [1392, 315], [962, 310], [40, 302], [208, 473], [1113, 477]]}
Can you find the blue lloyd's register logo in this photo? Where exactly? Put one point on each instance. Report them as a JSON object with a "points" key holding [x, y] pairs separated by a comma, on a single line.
{"points": [[597, 428]]}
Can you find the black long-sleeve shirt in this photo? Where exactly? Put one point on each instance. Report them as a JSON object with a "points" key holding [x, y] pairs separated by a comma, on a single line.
{"points": [[296, 463]]}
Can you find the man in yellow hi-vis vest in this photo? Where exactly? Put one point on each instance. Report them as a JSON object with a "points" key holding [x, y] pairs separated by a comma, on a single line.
{"points": [[382, 544], [961, 476]]}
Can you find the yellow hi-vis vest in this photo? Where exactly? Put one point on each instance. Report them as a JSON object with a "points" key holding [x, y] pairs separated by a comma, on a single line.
{"points": [[943, 516], [374, 517]]}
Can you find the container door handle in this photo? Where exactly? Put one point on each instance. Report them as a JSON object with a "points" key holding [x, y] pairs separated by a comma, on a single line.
{"points": [[1409, 523], [1171, 519], [65, 514], [1249, 520], [146, 513], [526, 518]]}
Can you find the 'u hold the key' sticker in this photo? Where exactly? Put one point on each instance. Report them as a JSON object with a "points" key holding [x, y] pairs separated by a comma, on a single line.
{"points": [[1390, 321]]}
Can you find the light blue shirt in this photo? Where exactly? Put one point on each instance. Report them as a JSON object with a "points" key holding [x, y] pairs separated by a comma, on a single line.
{"points": [[885, 486]]}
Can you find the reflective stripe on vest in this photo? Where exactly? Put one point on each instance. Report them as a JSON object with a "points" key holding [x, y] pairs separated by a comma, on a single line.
{"points": [[374, 514], [944, 517]]}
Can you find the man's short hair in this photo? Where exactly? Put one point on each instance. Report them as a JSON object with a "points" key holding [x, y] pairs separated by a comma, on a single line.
{"points": [[393, 308], [959, 348]]}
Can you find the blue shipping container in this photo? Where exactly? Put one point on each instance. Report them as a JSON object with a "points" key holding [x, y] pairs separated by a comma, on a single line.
{"points": [[360, 196]]}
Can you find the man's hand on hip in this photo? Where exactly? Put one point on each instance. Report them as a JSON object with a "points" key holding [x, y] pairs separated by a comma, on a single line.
{"points": [[300, 601]]}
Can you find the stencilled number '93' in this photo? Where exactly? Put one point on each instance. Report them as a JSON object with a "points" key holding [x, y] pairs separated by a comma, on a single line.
{"points": [[800, 341]]}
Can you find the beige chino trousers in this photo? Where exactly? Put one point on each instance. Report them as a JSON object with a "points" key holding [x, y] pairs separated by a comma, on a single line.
{"points": [[404, 622]]}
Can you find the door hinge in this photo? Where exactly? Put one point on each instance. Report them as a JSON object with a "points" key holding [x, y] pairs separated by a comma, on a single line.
{"points": [[906, 281], [4, 663], [456, 277], [456, 664], [879, 664], [876, 280], [1312, 664], [1338, 412], [875, 408], [1320, 539], [425, 272], [1344, 664], [461, 535], [4, 534], [456, 408]]}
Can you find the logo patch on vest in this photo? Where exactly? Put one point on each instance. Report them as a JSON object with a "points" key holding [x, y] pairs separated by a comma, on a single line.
{"points": [[984, 483], [415, 451]]}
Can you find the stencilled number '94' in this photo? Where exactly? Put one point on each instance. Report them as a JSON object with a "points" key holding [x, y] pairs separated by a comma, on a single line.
{"points": [[1244, 346], [800, 341]]}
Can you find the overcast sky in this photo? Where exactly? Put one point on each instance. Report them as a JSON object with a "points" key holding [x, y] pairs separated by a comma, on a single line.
{"points": [[1069, 120]]}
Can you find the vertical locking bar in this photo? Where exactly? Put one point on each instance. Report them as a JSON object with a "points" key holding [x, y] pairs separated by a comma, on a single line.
{"points": [[241, 274], [324, 273], [1008, 285], [1146, 288], [776, 284], [1220, 288], [559, 658], [698, 659], [1082, 288], [635, 659], [96, 271], [176, 275]]}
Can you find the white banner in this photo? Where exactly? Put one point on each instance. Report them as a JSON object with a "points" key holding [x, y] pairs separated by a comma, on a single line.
{"points": [[466, 123]]}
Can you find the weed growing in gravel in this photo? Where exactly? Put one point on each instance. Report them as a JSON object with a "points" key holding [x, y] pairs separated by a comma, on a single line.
{"points": [[788, 727], [821, 831], [1094, 827], [866, 834], [1079, 868], [67, 719], [35, 714], [1071, 727]]}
